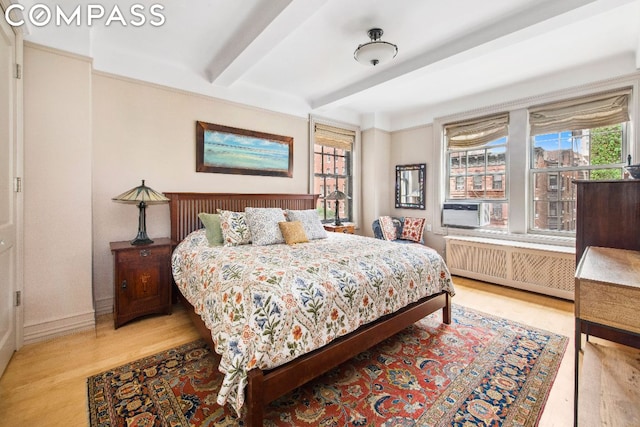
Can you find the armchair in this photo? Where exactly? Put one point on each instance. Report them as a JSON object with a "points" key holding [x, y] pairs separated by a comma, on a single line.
{"points": [[398, 222]]}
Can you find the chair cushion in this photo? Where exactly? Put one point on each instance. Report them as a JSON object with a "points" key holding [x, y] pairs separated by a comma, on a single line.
{"points": [[388, 228], [377, 229], [412, 229]]}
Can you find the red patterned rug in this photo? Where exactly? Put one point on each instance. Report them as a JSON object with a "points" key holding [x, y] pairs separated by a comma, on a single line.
{"points": [[480, 370]]}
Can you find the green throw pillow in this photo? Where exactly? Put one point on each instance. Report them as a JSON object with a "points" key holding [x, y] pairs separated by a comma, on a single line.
{"points": [[211, 223]]}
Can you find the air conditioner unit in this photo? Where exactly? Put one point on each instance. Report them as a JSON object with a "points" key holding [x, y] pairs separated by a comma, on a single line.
{"points": [[466, 214]]}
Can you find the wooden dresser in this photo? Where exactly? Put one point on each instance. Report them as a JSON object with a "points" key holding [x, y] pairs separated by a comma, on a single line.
{"points": [[607, 295], [607, 215], [607, 305]]}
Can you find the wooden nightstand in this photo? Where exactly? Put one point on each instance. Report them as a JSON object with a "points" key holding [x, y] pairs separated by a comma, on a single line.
{"points": [[344, 228], [142, 279]]}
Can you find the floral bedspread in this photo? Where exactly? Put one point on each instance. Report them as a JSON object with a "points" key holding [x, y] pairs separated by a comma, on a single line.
{"points": [[267, 305]]}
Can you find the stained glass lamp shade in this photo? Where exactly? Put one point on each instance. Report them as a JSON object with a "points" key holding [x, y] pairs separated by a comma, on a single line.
{"points": [[142, 196], [337, 196]]}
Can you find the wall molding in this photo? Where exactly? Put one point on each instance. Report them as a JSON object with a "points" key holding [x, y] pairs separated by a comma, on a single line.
{"points": [[187, 92], [59, 327], [60, 52], [104, 306]]}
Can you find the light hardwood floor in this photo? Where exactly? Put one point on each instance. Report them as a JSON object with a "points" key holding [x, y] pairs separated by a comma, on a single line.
{"points": [[45, 383]]}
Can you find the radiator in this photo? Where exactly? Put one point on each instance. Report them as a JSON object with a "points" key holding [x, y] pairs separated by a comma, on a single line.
{"points": [[545, 269]]}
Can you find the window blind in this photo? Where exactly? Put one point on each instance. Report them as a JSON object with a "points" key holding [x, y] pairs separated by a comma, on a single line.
{"points": [[332, 136], [584, 113], [477, 132]]}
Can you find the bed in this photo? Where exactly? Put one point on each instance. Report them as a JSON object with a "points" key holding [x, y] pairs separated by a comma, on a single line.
{"points": [[266, 377]]}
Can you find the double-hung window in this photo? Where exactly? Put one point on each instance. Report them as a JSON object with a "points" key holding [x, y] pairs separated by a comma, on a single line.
{"points": [[476, 164], [581, 139], [333, 166]]}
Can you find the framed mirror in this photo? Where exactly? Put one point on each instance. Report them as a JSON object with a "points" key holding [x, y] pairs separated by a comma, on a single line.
{"points": [[410, 188]]}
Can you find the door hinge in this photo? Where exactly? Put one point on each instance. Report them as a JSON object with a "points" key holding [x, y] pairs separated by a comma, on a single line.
{"points": [[17, 184], [18, 298], [18, 71]]}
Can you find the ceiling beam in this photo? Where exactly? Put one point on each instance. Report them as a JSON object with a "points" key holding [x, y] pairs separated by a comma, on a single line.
{"points": [[246, 34], [545, 17], [265, 29]]}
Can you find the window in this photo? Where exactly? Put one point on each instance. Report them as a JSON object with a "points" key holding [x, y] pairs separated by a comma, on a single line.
{"points": [[477, 182], [496, 213], [545, 148], [497, 181], [333, 165], [476, 159], [574, 140]]}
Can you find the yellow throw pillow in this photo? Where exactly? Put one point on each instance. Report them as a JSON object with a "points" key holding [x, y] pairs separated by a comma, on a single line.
{"points": [[293, 232]]}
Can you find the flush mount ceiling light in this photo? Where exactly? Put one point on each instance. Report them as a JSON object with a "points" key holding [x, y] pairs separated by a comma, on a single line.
{"points": [[375, 51]]}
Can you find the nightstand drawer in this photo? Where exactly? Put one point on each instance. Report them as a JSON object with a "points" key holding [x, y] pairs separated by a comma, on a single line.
{"points": [[607, 289], [609, 305], [141, 256]]}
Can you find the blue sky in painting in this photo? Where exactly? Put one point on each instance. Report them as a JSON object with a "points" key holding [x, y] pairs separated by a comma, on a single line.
{"points": [[246, 142], [245, 152]]}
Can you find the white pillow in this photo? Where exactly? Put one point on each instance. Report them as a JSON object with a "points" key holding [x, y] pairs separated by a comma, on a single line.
{"points": [[234, 228], [263, 225], [310, 222]]}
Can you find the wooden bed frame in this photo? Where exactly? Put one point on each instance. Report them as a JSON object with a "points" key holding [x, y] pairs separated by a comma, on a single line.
{"points": [[265, 386]]}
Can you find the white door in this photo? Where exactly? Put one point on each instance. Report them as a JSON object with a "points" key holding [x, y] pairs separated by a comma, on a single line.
{"points": [[8, 195]]}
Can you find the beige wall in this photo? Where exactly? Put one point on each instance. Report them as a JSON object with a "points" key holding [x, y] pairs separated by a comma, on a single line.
{"points": [[143, 131], [416, 145], [89, 137], [377, 194], [57, 193]]}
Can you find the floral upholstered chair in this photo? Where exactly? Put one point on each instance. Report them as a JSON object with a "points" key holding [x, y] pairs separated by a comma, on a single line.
{"points": [[399, 229]]}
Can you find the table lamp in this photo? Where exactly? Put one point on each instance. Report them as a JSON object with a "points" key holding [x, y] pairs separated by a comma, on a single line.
{"points": [[142, 196], [337, 196]]}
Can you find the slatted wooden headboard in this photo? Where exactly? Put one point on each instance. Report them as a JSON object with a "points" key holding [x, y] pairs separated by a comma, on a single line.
{"points": [[185, 207]]}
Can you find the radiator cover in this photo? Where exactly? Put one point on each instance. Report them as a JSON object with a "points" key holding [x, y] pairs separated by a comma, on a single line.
{"points": [[538, 268]]}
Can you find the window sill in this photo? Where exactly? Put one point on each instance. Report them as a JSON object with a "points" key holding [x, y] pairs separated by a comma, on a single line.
{"points": [[557, 243], [515, 244]]}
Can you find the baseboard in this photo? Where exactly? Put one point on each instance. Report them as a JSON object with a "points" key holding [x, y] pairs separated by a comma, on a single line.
{"points": [[104, 306], [55, 328]]}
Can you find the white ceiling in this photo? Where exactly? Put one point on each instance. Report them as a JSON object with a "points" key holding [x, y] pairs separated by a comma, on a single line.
{"points": [[296, 56]]}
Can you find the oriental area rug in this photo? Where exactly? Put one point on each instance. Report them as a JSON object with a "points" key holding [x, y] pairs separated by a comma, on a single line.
{"points": [[480, 370]]}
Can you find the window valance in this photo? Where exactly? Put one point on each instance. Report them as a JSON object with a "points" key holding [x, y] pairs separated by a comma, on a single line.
{"points": [[335, 137], [477, 132], [583, 113]]}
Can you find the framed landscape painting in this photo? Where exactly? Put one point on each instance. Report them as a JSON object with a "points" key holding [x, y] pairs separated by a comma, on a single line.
{"points": [[224, 149]]}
